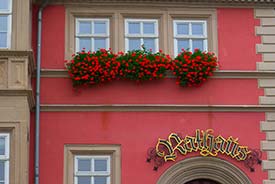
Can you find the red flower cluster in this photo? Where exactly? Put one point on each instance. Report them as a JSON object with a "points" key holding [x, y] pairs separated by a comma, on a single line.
{"points": [[192, 69], [88, 68], [141, 65]]}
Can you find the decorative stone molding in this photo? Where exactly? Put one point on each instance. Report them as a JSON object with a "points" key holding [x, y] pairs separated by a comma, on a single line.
{"points": [[24, 93], [204, 167], [4, 54], [155, 108], [201, 3], [267, 48], [228, 74], [16, 68]]}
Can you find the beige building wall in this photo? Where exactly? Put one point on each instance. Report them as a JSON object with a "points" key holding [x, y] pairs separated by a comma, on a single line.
{"points": [[16, 97], [267, 48]]}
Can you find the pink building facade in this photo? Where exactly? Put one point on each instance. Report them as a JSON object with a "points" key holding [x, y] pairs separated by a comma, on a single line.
{"points": [[105, 134]]}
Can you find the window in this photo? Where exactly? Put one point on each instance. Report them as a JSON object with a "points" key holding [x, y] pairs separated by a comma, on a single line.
{"points": [[141, 32], [189, 34], [166, 28], [5, 23], [4, 158], [92, 170], [92, 164], [92, 34]]}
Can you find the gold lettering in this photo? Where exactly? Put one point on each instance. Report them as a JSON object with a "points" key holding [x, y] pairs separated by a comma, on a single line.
{"points": [[203, 141]]}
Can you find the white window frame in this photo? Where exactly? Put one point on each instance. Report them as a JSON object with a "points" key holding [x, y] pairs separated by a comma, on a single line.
{"points": [[92, 173], [8, 12], [190, 37], [141, 36], [92, 36], [6, 157]]}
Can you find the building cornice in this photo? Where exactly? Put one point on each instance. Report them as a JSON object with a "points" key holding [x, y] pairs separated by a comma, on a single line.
{"points": [[197, 3]]}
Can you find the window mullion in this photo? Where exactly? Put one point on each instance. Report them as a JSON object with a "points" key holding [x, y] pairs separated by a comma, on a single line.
{"points": [[92, 170], [92, 44], [108, 43], [7, 168], [92, 27], [141, 28], [9, 31], [191, 44], [205, 45], [157, 45], [190, 29], [175, 47], [141, 42]]}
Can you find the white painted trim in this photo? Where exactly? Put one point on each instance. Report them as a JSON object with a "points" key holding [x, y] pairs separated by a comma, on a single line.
{"points": [[141, 36], [92, 36], [9, 10], [92, 173], [8, 13], [190, 36], [6, 157]]}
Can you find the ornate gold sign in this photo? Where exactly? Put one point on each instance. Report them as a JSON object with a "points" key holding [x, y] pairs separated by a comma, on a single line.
{"points": [[206, 144]]}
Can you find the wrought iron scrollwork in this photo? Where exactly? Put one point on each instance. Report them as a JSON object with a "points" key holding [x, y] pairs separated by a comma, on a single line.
{"points": [[252, 159], [152, 156]]}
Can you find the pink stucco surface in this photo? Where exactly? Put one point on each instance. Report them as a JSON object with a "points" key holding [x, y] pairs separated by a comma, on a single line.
{"points": [[137, 131], [214, 91]]}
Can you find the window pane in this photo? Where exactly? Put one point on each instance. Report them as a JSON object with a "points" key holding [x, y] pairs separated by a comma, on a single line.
{"points": [[100, 43], [149, 44], [197, 29], [198, 44], [3, 23], [134, 27], [148, 28], [84, 165], [84, 180], [85, 27], [183, 44], [2, 146], [134, 44], [4, 4], [100, 27], [100, 165], [3, 40], [100, 180], [182, 28], [2, 170], [85, 43]]}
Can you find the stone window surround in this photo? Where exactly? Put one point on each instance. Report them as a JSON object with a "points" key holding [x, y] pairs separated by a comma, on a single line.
{"points": [[165, 16], [71, 150], [18, 166], [20, 26]]}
